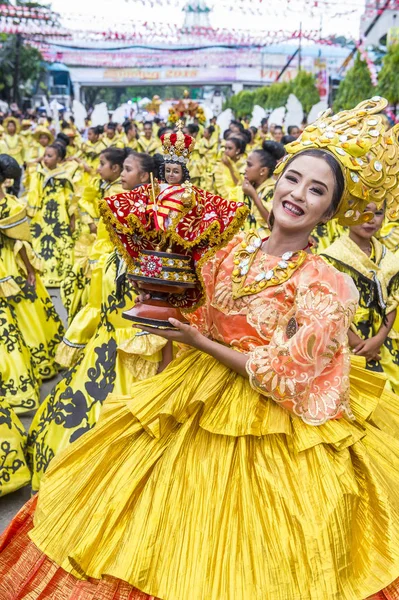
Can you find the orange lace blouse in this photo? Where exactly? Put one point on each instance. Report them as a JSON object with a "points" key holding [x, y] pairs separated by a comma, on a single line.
{"points": [[295, 334]]}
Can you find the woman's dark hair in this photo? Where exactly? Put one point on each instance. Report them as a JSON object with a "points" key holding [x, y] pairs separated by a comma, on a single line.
{"points": [[163, 130], [63, 138], [270, 154], [60, 149], [115, 156], [246, 135], [338, 175], [227, 134], [254, 129], [128, 125], [287, 139], [238, 124], [111, 125], [192, 128], [211, 129], [9, 168], [147, 162], [98, 130], [239, 143], [264, 121]]}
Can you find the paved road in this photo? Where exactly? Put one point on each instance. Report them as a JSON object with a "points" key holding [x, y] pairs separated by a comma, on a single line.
{"points": [[10, 504]]}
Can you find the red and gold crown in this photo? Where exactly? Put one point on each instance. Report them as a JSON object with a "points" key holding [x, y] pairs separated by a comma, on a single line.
{"points": [[177, 146]]}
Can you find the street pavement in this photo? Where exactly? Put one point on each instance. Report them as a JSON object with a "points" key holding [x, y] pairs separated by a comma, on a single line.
{"points": [[10, 504]]}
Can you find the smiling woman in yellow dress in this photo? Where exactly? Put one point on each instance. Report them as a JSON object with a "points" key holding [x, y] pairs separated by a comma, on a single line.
{"points": [[248, 468]]}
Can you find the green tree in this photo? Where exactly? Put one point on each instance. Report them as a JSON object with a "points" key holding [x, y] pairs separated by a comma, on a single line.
{"points": [[355, 87], [31, 67], [304, 88], [261, 96], [388, 80], [278, 95]]}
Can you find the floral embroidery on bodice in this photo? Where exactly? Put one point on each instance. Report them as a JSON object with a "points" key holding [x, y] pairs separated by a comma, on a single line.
{"points": [[295, 333]]}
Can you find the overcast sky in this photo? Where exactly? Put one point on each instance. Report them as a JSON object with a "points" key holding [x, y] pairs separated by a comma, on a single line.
{"points": [[101, 15]]}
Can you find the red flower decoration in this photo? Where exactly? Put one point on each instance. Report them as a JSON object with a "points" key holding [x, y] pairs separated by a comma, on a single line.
{"points": [[151, 266], [173, 138]]}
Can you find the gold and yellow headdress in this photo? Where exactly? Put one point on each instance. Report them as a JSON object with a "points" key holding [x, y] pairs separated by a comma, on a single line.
{"points": [[367, 153]]}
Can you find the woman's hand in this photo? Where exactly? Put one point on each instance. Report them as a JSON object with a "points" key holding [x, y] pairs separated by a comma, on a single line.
{"points": [[248, 188], [370, 349], [183, 333], [31, 278]]}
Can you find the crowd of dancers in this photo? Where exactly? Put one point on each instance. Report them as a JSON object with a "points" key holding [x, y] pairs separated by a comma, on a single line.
{"points": [[53, 235]]}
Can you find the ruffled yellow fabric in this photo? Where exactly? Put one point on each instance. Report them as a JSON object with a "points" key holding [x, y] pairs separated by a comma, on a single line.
{"points": [[141, 353], [196, 486], [8, 287]]}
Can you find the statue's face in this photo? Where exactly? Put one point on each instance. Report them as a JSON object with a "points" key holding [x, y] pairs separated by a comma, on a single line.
{"points": [[173, 173]]}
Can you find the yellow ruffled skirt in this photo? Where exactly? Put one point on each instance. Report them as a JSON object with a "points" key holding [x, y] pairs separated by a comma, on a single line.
{"points": [[196, 486]]}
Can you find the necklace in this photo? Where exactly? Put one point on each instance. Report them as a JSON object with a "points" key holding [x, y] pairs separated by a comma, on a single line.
{"points": [[243, 259]]}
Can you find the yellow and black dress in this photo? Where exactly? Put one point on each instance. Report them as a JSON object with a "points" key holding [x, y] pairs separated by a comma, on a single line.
{"points": [[34, 311], [51, 203], [19, 385], [254, 219], [76, 285], [324, 234], [377, 280], [16, 372]]}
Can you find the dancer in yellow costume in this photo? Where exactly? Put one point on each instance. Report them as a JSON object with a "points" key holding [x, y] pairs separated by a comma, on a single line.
{"points": [[34, 311], [258, 185], [13, 144], [90, 157], [131, 135], [111, 138], [375, 271], [53, 208], [148, 142], [229, 170], [75, 287], [90, 347], [28, 299], [248, 468]]}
